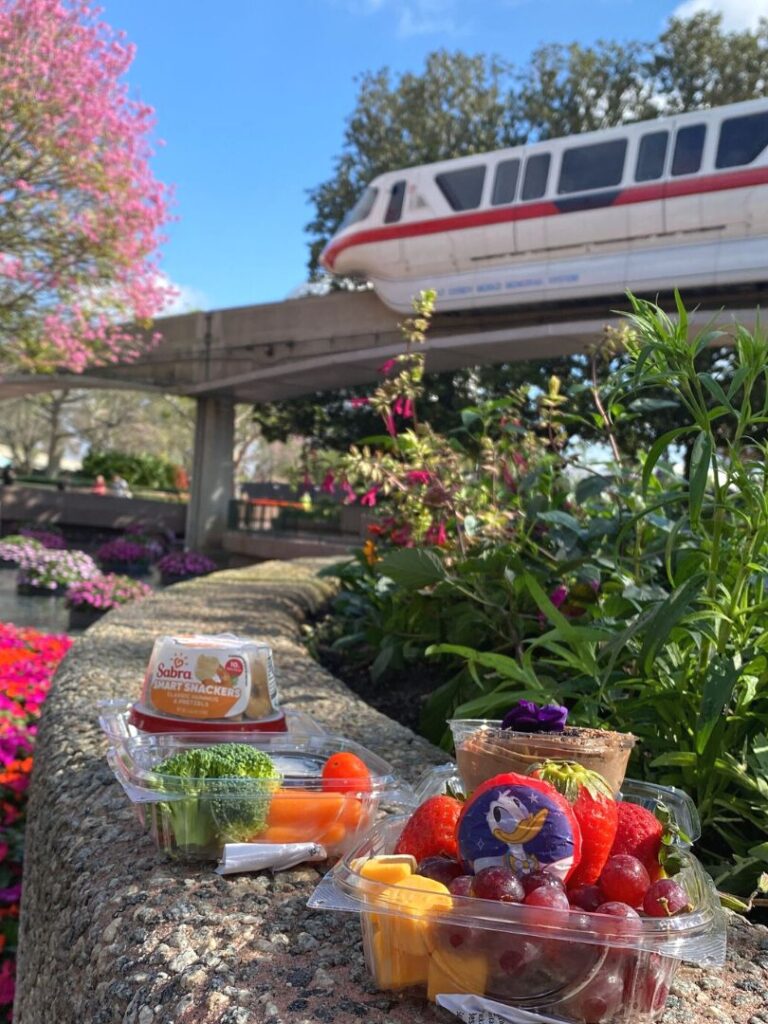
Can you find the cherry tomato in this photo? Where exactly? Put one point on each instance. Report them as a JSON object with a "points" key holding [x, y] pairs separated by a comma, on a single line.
{"points": [[346, 773]]}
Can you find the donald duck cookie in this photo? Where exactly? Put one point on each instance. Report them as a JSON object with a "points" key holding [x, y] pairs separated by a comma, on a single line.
{"points": [[519, 823]]}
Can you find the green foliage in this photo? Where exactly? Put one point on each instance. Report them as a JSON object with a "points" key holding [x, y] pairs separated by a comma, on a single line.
{"points": [[634, 595], [138, 470]]}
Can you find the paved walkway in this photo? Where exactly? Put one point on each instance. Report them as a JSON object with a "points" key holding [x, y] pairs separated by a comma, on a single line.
{"points": [[113, 933]]}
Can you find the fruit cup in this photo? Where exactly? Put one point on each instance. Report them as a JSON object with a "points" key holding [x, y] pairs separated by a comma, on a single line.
{"points": [[484, 749], [578, 967]]}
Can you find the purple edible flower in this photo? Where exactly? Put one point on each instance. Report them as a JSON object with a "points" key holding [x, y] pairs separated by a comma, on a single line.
{"points": [[529, 717]]}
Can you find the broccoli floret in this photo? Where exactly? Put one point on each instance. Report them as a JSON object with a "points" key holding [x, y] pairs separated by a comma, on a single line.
{"points": [[224, 811]]}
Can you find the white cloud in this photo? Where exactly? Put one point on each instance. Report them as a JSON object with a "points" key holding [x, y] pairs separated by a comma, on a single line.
{"points": [[413, 17], [186, 300], [737, 14]]}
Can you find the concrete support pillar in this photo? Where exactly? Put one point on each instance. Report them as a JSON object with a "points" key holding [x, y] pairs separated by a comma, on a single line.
{"points": [[212, 473]]}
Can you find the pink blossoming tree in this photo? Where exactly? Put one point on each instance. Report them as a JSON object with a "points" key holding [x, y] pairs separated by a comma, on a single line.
{"points": [[81, 214]]}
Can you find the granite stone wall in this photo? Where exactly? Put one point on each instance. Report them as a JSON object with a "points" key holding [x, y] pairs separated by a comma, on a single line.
{"points": [[112, 932]]}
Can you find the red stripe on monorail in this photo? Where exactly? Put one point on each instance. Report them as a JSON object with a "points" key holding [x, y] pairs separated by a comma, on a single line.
{"points": [[505, 214]]}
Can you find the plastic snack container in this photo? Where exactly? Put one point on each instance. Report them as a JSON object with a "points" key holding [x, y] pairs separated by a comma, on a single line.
{"points": [[213, 684], [484, 749], [193, 819], [578, 967]]}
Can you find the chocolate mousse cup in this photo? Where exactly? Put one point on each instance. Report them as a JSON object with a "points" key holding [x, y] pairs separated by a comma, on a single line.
{"points": [[484, 749]]}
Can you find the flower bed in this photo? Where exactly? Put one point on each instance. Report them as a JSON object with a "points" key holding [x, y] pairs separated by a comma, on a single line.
{"points": [[48, 538], [51, 572], [183, 565], [89, 599], [129, 557], [28, 660], [15, 548]]}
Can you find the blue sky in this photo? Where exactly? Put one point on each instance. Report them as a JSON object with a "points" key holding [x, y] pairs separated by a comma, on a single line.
{"points": [[251, 98]]}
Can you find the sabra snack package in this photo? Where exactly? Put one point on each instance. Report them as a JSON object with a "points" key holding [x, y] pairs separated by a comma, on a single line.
{"points": [[208, 678]]}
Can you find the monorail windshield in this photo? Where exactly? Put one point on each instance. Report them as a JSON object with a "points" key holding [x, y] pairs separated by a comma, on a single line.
{"points": [[361, 209]]}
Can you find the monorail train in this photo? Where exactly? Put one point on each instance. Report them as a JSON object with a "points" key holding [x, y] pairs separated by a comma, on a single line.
{"points": [[677, 201]]}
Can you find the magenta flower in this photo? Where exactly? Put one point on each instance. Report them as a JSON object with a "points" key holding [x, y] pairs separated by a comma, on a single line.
{"points": [[186, 563], [328, 486], [358, 403], [369, 498], [350, 496], [389, 423], [559, 595], [407, 412], [436, 534], [529, 717], [388, 366], [418, 476]]}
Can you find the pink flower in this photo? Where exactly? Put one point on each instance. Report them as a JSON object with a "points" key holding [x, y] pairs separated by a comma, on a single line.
{"points": [[418, 476], [7, 982], [328, 485], [388, 366], [349, 492], [437, 535], [407, 412], [358, 403], [559, 595], [369, 498]]}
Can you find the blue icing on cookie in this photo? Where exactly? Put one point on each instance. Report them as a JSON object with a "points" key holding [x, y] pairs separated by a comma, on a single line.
{"points": [[517, 826]]}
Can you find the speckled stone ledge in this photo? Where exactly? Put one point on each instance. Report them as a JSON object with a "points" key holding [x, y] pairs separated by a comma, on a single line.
{"points": [[112, 932]]}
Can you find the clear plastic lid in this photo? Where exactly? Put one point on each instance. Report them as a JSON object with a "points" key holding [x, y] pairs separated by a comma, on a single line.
{"points": [[698, 937]]}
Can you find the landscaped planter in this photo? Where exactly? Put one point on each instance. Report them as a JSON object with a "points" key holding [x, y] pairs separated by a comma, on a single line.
{"points": [[85, 616], [133, 569], [31, 590]]}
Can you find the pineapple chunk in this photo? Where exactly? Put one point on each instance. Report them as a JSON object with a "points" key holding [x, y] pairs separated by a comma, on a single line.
{"points": [[394, 968], [456, 972], [413, 900], [389, 868]]}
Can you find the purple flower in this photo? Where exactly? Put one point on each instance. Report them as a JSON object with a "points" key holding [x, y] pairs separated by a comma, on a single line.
{"points": [[529, 717], [186, 563]]}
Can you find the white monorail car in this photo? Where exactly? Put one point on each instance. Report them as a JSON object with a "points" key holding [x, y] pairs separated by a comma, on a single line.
{"points": [[679, 201]]}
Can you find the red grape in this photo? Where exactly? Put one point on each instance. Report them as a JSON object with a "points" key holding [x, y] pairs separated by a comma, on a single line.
{"points": [[624, 880], [440, 869], [461, 885], [538, 878], [548, 896], [665, 898], [602, 997], [497, 884], [616, 909], [585, 897]]}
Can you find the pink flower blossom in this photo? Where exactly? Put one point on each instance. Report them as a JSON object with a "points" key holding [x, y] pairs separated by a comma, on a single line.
{"points": [[436, 534], [418, 476], [389, 423], [559, 595], [350, 496], [358, 403], [388, 366], [369, 498], [328, 485]]}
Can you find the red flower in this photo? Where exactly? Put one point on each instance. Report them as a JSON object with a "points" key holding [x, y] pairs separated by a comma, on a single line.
{"points": [[418, 476], [369, 498], [437, 535], [390, 364]]}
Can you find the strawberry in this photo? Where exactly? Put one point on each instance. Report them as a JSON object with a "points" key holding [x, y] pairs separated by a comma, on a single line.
{"points": [[639, 833], [431, 829], [595, 810]]}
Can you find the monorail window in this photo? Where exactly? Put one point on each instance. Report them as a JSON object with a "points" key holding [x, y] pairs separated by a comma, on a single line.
{"points": [[742, 139], [505, 182], [463, 189], [361, 209], [536, 174], [651, 154], [689, 145], [588, 167], [395, 204]]}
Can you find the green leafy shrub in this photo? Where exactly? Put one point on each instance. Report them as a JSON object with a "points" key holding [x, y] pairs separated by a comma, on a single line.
{"points": [[632, 594], [138, 470]]}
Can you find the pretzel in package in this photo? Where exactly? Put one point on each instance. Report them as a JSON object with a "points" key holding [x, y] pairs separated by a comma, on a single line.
{"points": [[211, 677]]}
